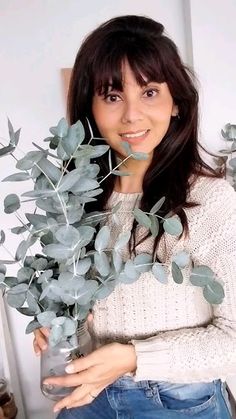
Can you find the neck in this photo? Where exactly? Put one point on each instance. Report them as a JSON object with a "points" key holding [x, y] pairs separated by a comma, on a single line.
{"points": [[134, 182]]}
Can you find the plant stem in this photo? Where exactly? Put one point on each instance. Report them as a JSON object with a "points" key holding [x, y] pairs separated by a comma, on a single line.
{"points": [[158, 216], [45, 151], [99, 215], [116, 167], [36, 300], [11, 154], [17, 261]]}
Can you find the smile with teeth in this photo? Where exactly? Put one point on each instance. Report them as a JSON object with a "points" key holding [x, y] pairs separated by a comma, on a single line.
{"points": [[134, 135]]}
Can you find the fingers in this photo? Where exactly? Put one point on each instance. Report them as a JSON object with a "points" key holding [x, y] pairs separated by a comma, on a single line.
{"points": [[79, 397], [40, 340], [90, 318], [72, 380], [45, 331]]}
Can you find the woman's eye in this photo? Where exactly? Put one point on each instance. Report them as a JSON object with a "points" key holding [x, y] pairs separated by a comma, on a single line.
{"points": [[112, 98], [150, 93]]}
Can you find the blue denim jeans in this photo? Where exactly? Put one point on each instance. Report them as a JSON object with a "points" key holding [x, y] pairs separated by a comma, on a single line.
{"points": [[126, 399]]}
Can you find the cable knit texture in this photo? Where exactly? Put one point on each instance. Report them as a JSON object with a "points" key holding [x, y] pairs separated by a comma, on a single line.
{"points": [[178, 336]]}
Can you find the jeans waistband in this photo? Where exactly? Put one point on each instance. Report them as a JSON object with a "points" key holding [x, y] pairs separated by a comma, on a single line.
{"points": [[129, 383]]}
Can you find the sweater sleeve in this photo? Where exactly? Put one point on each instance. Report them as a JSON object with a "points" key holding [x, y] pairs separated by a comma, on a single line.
{"points": [[201, 353]]}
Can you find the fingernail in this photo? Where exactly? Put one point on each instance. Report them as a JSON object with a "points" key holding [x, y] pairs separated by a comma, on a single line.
{"points": [[69, 368], [56, 409], [44, 347]]}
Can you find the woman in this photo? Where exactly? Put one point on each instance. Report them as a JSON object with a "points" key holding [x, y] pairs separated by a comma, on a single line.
{"points": [[162, 350]]}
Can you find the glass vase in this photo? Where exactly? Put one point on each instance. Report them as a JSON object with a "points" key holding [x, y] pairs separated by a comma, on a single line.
{"points": [[54, 360]]}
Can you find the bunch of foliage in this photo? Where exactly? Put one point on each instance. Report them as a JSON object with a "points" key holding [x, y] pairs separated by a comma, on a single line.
{"points": [[226, 162], [59, 286]]}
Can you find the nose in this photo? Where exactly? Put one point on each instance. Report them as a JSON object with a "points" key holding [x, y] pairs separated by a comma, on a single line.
{"points": [[131, 112]]}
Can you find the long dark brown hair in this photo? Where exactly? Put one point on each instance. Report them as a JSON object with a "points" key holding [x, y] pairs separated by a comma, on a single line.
{"points": [[151, 54]]}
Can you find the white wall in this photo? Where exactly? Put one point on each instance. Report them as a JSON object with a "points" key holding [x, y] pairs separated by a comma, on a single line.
{"points": [[214, 58], [37, 38]]}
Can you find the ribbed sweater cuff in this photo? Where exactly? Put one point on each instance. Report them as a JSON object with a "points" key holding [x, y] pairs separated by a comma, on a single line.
{"points": [[154, 359]]}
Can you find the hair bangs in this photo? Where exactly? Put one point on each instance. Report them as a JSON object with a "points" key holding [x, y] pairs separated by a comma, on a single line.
{"points": [[146, 65], [107, 71], [109, 75]]}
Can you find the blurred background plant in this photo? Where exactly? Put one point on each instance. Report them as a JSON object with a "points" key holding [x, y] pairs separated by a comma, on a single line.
{"points": [[226, 162]]}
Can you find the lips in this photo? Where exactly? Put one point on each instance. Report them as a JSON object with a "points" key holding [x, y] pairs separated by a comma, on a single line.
{"points": [[134, 137]]}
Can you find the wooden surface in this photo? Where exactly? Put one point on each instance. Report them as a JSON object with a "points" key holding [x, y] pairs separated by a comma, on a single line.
{"points": [[66, 74]]}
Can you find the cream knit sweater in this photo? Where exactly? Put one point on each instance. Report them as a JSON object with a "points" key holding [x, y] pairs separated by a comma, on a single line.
{"points": [[178, 336]]}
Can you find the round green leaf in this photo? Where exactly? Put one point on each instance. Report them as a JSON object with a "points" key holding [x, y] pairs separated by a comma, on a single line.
{"points": [[3, 269], [142, 262], [17, 177], [154, 225], [176, 273], [142, 218], [11, 203], [117, 261], [102, 239], [122, 240], [39, 264], [181, 259], [130, 270], [34, 324], [125, 279], [214, 293], [68, 235], [16, 296], [105, 290], [159, 273], [29, 160], [46, 318], [82, 266], [102, 263], [157, 205], [201, 276], [2, 237], [61, 129], [69, 327], [232, 163], [173, 226], [24, 274], [2, 277], [56, 335], [140, 156]]}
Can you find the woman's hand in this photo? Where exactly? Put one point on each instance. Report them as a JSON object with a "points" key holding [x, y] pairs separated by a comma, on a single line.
{"points": [[93, 373], [40, 342]]}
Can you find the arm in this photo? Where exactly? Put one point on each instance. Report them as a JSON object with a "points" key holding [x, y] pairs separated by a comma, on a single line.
{"points": [[208, 352], [199, 353]]}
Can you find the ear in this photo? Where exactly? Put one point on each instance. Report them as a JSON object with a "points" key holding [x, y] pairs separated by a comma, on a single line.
{"points": [[175, 110]]}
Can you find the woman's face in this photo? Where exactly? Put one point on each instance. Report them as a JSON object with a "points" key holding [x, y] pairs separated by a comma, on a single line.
{"points": [[138, 115]]}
